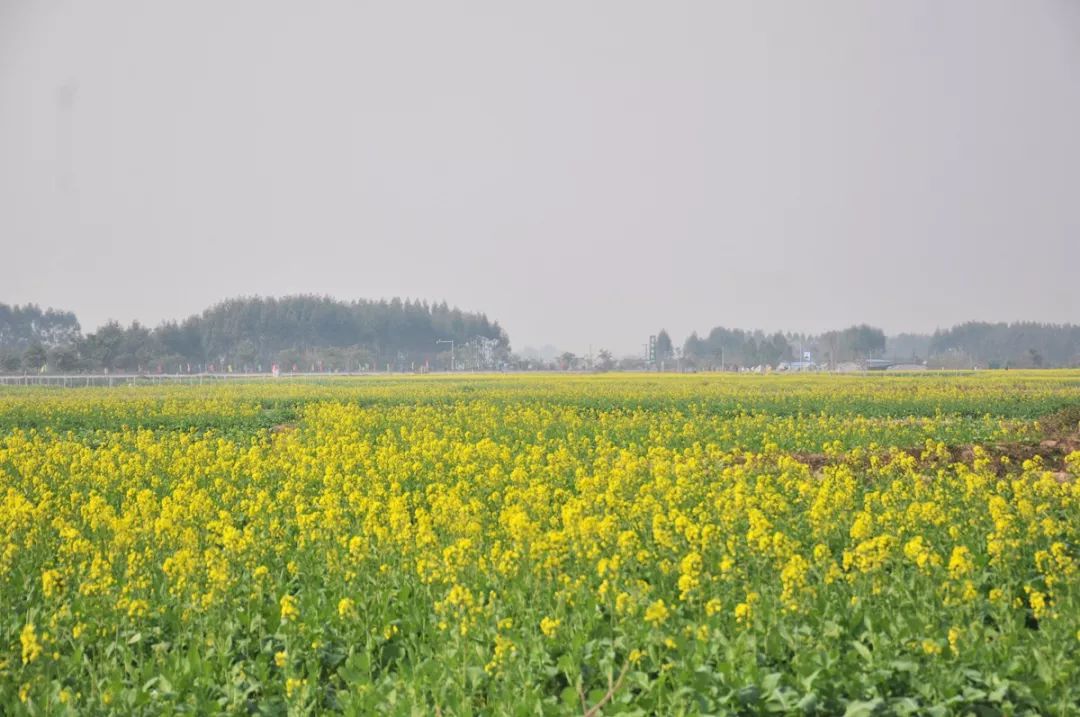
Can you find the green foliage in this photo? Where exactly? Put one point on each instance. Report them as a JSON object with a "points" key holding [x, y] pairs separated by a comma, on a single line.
{"points": [[34, 357], [249, 333], [735, 348], [664, 349], [24, 326], [1020, 344]]}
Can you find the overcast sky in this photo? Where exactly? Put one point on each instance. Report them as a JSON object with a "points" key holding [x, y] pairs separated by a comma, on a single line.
{"points": [[584, 172]]}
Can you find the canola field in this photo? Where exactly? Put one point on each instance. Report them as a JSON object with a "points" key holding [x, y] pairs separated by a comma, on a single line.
{"points": [[544, 545]]}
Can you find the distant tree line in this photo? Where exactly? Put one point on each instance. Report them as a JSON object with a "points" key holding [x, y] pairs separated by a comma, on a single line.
{"points": [[1000, 345], [736, 348], [24, 326], [973, 344], [730, 348], [320, 333], [733, 349], [247, 334]]}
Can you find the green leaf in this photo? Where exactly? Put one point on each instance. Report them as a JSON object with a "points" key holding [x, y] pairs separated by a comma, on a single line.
{"points": [[863, 650], [862, 709], [569, 697], [807, 702]]}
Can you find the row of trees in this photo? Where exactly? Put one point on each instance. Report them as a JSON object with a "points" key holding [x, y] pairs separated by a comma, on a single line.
{"points": [[254, 333], [1000, 345], [24, 326], [973, 344], [732, 348], [723, 348], [313, 332]]}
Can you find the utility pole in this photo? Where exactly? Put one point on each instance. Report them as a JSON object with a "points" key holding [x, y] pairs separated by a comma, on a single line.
{"points": [[451, 342]]}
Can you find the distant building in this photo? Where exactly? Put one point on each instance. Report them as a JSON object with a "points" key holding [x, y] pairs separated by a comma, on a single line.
{"points": [[806, 364], [907, 367]]}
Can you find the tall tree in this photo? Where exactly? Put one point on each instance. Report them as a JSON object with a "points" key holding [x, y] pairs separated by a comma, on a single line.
{"points": [[34, 357], [664, 348]]}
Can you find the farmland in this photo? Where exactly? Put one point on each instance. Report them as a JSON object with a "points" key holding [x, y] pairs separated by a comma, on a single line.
{"points": [[612, 544]]}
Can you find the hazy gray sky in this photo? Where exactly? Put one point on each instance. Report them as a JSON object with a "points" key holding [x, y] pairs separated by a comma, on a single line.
{"points": [[584, 172]]}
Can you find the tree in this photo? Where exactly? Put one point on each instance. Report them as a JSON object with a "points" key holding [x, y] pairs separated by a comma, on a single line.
{"points": [[1007, 344], [693, 346], [305, 330], [34, 357], [63, 359], [831, 341], [22, 326], [776, 349], [664, 350], [864, 341], [605, 360], [10, 362]]}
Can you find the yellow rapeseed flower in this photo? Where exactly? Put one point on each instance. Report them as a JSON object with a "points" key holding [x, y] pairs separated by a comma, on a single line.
{"points": [[657, 613], [289, 610], [31, 648], [549, 626]]}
